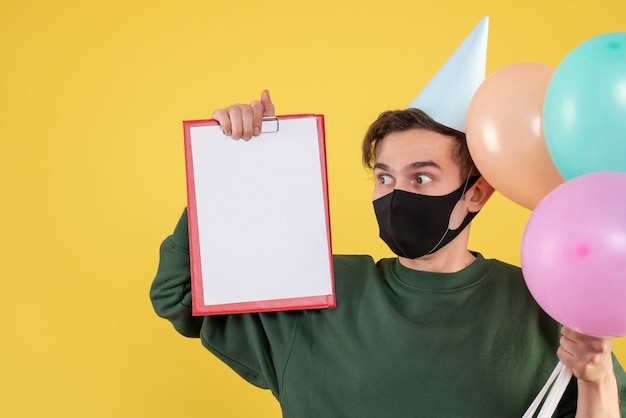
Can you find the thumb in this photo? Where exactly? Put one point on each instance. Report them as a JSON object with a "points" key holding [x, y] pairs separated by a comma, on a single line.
{"points": [[268, 106]]}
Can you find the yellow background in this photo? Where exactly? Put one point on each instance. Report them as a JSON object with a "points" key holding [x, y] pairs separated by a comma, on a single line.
{"points": [[92, 95]]}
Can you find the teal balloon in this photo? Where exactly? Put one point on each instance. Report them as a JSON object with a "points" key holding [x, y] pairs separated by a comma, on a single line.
{"points": [[584, 113]]}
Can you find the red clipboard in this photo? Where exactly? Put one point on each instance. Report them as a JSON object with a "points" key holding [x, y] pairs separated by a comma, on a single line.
{"points": [[259, 224]]}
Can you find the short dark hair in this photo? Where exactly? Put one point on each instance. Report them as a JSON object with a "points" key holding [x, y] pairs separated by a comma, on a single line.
{"points": [[404, 120]]}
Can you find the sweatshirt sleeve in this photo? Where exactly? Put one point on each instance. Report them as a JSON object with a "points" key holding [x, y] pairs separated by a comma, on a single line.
{"points": [[171, 289], [256, 346]]}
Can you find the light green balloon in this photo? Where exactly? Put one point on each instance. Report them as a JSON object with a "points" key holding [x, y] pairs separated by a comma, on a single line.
{"points": [[584, 114]]}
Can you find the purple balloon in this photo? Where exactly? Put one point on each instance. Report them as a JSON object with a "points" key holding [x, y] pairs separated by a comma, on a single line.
{"points": [[574, 254]]}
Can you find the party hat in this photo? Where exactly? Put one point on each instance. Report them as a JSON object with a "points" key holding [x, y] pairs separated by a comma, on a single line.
{"points": [[446, 98]]}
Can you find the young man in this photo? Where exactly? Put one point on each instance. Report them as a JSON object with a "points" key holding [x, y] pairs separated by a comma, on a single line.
{"points": [[438, 331]]}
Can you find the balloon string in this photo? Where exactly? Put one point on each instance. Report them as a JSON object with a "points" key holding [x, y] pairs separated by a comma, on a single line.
{"points": [[533, 406], [556, 393]]}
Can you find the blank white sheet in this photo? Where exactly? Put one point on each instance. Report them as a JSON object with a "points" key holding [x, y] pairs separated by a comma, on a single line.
{"points": [[258, 210]]}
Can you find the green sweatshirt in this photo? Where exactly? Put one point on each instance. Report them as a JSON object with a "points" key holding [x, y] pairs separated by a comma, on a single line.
{"points": [[400, 343]]}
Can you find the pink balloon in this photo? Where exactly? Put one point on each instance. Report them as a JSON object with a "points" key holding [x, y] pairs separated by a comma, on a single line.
{"points": [[574, 254]]}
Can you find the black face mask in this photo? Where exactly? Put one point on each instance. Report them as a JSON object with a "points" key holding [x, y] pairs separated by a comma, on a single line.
{"points": [[414, 225]]}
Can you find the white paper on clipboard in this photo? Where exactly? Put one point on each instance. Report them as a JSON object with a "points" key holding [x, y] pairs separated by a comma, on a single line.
{"points": [[258, 218]]}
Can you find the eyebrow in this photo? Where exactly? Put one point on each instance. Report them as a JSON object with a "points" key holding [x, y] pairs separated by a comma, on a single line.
{"points": [[412, 166]]}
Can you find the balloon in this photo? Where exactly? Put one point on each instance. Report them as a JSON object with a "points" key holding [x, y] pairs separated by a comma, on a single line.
{"points": [[505, 135], [574, 254], [585, 108]]}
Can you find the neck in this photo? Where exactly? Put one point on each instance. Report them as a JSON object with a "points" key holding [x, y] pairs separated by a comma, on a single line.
{"points": [[449, 259]]}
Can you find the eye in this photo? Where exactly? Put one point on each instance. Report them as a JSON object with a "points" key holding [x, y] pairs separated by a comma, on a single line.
{"points": [[423, 179], [385, 179]]}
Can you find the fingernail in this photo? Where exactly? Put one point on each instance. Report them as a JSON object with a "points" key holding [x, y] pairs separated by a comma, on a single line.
{"points": [[257, 131]]}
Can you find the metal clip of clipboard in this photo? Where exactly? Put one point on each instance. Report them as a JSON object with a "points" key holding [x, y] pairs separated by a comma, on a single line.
{"points": [[271, 121], [269, 125]]}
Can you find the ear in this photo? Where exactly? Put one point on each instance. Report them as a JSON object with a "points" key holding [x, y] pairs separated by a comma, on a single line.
{"points": [[478, 195]]}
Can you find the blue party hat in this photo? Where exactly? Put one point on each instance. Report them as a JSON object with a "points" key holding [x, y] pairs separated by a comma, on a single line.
{"points": [[446, 98]]}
